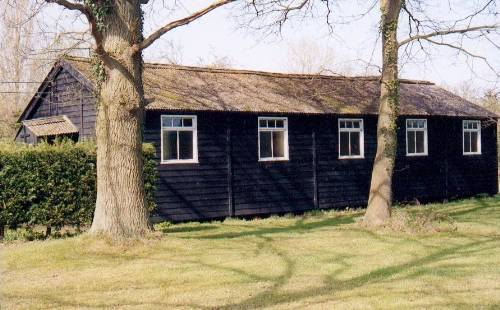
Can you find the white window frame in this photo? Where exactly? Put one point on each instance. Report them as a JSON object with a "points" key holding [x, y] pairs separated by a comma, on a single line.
{"points": [[284, 129], [193, 128], [361, 131], [478, 130], [426, 149]]}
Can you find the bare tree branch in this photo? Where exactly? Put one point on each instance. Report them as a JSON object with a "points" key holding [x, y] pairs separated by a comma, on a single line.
{"points": [[71, 5], [447, 32], [287, 9], [465, 51], [99, 49], [172, 25]]}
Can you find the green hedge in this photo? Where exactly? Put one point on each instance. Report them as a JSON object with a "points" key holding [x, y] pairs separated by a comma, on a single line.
{"points": [[55, 185]]}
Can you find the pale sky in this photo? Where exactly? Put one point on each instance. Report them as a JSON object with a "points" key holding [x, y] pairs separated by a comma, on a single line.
{"points": [[219, 35]]}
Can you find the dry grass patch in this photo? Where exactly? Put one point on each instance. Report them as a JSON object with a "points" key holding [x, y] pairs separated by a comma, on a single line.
{"points": [[420, 220], [320, 260]]}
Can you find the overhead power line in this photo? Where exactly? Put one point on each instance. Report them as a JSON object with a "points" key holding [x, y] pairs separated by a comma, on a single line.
{"points": [[22, 92], [19, 82]]}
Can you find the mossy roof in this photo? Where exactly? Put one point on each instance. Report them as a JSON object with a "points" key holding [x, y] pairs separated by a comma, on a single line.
{"points": [[50, 126], [181, 88]]}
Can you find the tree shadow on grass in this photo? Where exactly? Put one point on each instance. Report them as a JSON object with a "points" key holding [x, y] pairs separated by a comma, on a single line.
{"points": [[332, 285], [478, 204], [274, 294], [300, 226], [264, 244], [188, 228]]}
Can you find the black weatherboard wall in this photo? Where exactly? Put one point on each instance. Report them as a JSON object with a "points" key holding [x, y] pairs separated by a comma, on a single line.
{"points": [[193, 191], [446, 172], [230, 181], [64, 94]]}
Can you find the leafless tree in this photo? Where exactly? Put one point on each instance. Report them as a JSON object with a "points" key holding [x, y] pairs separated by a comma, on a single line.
{"points": [[213, 60], [307, 56], [479, 23], [15, 43], [466, 89], [491, 100], [421, 31], [116, 27], [172, 53], [27, 53]]}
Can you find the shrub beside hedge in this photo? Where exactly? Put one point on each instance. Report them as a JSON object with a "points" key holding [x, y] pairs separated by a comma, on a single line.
{"points": [[55, 185]]}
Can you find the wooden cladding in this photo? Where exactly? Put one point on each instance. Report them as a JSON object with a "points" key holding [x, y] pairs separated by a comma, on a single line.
{"points": [[229, 179]]}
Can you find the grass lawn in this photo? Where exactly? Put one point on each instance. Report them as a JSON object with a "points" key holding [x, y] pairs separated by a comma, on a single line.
{"points": [[322, 260]]}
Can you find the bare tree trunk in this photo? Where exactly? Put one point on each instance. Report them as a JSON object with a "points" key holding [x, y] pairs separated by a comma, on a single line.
{"points": [[120, 206], [380, 199], [16, 40], [17, 63]]}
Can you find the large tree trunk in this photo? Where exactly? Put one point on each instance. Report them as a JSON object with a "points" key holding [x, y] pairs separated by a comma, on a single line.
{"points": [[120, 206], [380, 199]]}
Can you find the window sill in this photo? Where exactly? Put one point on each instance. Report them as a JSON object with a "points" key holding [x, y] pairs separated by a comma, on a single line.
{"points": [[471, 154], [264, 160], [351, 157], [417, 155], [176, 162]]}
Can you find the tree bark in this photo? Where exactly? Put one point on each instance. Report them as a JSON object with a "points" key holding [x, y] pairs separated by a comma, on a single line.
{"points": [[380, 199], [120, 206]]}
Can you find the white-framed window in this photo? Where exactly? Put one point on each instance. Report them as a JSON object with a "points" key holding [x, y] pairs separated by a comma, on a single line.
{"points": [[471, 137], [351, 138], [179, 139], [416, 137], [273, 138]]}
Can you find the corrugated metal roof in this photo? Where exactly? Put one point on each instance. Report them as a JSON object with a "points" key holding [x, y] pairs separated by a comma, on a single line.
{"points": [[171, 87], [51, 126]]}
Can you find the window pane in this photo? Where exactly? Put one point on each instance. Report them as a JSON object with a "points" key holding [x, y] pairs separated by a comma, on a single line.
{"points": [[466, 142], [166, 121], [280, 123], [344, 144], [187, 122], [355, 144], [185, 145], [420, 142], [474, 142], [349, 124], [410, 141], [265, 144], [466, 124], [271, 123], [263, 123], [279, 144], [342, 124], [176, 122], [169, 145], [356, 124]]}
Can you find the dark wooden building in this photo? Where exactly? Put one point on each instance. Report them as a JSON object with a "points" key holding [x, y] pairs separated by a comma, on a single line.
{"points": [[244, 143]]}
